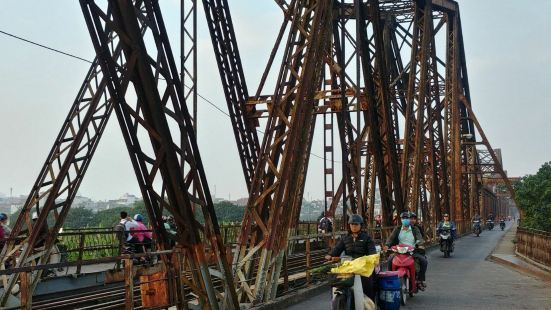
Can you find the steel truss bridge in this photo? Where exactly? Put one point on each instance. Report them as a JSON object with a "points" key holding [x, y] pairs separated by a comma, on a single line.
{"points": [[388, 78]]}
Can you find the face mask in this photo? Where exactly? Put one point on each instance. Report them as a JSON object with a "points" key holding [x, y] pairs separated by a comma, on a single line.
{"points": [[405, 222]]}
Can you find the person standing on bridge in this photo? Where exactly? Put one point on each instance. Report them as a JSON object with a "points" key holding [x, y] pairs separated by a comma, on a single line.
{"points": [[408, 234], [325, 224], [4, 229], [2, 237], [4, 224], [356, 243]]}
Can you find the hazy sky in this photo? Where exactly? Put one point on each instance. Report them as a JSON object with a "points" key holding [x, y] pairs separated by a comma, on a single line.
{"points": [[508, 59]]}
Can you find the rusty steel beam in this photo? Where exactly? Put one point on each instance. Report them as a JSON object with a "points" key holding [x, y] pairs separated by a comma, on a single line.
{"points": [[173, 174], [277, 179], [379, 110], [64, 170], [227, 56]]}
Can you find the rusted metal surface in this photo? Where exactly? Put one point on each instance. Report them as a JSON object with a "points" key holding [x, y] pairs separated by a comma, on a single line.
{"points": [[281, 169], [64, 169], [172, 176], [233, 82], [128, 284], [398, 92], [154, 290], [534, 244]]}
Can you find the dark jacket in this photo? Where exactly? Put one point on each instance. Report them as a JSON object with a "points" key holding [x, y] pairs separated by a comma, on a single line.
{"points": [[452, 226], [421, 230], [393, 238], [363, 245], [441, 223]]}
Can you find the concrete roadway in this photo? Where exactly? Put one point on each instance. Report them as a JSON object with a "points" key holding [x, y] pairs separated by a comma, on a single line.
{"points": [[468, 281]]}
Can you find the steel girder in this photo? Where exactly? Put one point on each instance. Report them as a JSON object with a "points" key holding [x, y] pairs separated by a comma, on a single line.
{"points": [[62, 173], [377, 93], [170, 171], [188, 54], [233, 82], [278, 178]]}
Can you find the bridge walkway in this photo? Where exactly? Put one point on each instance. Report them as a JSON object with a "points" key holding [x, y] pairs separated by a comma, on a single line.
{"points": [[468, 280]]}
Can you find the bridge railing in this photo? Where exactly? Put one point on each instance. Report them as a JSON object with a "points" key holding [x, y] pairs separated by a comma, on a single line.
{"points": [[534, 244]]}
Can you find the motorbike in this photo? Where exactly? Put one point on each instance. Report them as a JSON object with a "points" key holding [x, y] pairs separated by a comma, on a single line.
{"points": [[133, 248], [476, 227], [502, 225], [446, 242], [490, 224], [347, 291], [404, 263]]}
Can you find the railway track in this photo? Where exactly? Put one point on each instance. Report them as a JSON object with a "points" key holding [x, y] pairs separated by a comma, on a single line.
{"points": [[113, 296]]}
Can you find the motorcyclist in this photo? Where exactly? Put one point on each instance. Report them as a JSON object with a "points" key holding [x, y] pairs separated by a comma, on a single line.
{"points": [[490, 221], [410, 235], [414, 223], [478, 218], [356, 243], [446, 224]]}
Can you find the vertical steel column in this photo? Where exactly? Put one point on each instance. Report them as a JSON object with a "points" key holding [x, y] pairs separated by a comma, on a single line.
{"points": [[377, 94], [328, 160]]}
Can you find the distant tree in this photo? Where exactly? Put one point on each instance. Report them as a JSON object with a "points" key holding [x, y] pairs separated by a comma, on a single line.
{"points": [[533, 195], [78, 218], [226, 212]]}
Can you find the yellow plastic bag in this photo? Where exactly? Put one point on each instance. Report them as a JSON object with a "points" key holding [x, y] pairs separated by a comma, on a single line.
{"points": [[362, 266]]}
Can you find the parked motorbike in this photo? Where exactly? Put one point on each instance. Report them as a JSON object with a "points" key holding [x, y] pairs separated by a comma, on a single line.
{"points": [[476, 227], [446, 242], [404, 263], [490, 224], [502, 225]]}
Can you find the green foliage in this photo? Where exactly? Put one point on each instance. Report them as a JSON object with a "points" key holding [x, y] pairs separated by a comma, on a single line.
{"points": [[533, 195], [226, 212], [324, 268]]}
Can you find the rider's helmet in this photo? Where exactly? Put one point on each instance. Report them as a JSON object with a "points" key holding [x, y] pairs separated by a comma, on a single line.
{"points": [[3, 216], [413, 215], [405, 215], [446, 215], [138, 217], [356, 219]]}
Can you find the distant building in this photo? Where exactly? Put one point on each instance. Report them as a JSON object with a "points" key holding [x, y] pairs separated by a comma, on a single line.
{"points": [[242, 202], [125, 200]]}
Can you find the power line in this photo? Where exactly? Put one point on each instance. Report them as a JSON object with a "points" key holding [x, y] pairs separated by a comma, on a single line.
{"points": [[90, 62], [44, 46]]}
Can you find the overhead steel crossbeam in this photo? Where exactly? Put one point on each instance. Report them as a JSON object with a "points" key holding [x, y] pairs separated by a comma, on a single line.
{"points": [[277, 179], [170, 172]]}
